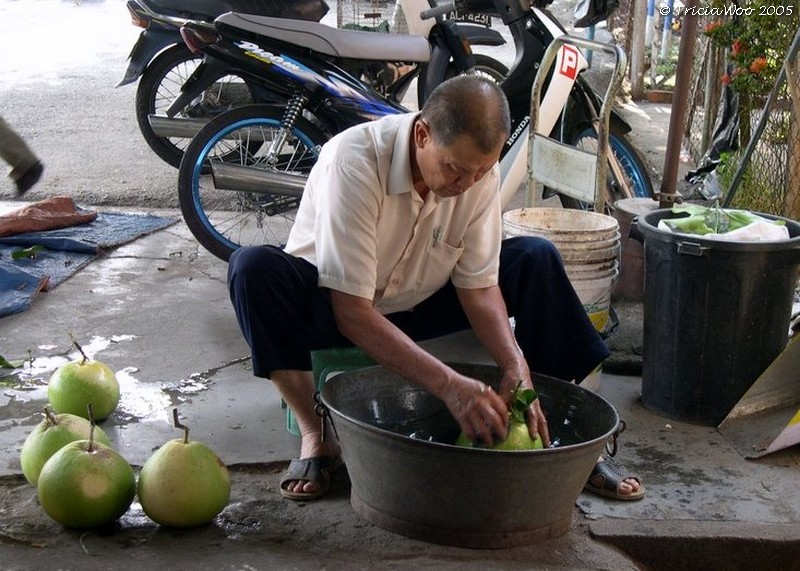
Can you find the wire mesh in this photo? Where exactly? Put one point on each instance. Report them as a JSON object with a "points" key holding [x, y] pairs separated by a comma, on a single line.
{"points": [[769, 178], [370, 15]]}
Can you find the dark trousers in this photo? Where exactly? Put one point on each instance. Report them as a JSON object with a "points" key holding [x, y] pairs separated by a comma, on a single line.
{"points": [[284, 314]]}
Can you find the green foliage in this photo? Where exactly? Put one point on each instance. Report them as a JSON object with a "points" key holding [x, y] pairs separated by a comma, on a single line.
{"points": [[757, 35]]}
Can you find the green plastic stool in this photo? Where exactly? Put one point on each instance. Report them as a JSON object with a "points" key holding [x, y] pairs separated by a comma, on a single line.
{"points": [[326, 363]]}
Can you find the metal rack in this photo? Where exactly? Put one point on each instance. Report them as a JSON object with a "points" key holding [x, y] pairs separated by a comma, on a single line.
{"points": [[569, 170]]}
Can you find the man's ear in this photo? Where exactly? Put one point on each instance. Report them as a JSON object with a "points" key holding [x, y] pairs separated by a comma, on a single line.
{"points": [[421, 133]]}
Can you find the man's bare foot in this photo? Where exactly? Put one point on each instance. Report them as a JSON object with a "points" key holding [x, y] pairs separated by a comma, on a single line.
{"points": [[312, 446]]}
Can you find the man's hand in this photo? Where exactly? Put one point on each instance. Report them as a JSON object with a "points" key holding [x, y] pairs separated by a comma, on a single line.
{"points": [[537, 422], [479, 411]]}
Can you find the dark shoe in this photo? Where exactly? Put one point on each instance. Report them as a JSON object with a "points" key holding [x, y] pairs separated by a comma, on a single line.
{"points": [[317, 470], [609, 476], [31, 177]]}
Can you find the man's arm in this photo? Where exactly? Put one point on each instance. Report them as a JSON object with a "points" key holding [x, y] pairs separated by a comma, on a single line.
{"points": [[488, 316], [480, 412]]}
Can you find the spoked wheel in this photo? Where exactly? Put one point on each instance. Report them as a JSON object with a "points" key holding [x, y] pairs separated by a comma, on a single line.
{"points": [[243, 208], [625, 161], [160, 85]]}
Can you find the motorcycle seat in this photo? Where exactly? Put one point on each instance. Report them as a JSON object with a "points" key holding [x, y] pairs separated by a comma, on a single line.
{"points": [[312, 10], [350, 44]]}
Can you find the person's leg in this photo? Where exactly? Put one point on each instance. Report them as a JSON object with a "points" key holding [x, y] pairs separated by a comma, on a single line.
{"points": [[555, 333], [283, 315], [282, 312], [551, 325], [25, 166]]}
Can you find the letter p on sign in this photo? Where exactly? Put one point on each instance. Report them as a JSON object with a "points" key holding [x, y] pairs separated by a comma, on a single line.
{"points": [[569, 62]]}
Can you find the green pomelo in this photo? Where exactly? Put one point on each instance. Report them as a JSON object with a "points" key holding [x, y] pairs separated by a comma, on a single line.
{"points": [[86, 485], [518, 439], [183, 484], [49, 436], [76, 384]]}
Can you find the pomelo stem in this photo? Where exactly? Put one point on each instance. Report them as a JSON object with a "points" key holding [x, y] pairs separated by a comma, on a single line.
{"points": [[79, 348], [178, 424], [91, 428], [51, 419]]}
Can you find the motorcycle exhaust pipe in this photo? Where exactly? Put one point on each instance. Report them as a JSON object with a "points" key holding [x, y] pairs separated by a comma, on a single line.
{"points": [[165, 127], [187, 128], [240, 178]]}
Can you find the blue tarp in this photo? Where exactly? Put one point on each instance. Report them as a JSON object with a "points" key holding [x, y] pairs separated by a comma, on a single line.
{"points": [[67, 251]]}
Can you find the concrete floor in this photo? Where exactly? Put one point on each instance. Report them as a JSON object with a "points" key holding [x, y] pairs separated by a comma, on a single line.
{"points": [[157, 312]]}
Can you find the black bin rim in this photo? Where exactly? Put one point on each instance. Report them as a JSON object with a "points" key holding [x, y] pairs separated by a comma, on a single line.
{"points": [[648, 226]]}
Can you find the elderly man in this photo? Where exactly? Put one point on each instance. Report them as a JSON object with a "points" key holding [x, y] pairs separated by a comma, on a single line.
{"points": [[398, 239]]}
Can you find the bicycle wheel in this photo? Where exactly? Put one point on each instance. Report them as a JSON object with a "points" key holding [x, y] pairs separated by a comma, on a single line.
{"points": [[223, 220], [161, 83], [629, 161]]}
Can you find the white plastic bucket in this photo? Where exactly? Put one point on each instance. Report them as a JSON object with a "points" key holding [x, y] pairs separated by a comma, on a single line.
{"points": [[595, 295], [589, 244], [560, 224], [589, 255], [591, 271]]}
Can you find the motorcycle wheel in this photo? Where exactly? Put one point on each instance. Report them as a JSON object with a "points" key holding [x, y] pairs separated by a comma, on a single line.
{"points": [[629, 160], [484, 66], [225, 220], [161, 83]]}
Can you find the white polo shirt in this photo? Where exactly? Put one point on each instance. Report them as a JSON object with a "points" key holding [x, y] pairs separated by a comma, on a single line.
{"points": [[370, 234]]}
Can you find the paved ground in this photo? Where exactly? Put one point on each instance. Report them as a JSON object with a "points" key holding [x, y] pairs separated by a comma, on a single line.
{"points": [[137, 310], [157, 311]]}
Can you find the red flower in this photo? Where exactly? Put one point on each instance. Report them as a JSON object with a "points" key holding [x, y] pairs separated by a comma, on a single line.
{"points": [[738, 47], [726, 79], [758, 64], [711, 26]]}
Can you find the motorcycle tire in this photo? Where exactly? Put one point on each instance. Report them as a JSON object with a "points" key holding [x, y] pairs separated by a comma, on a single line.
{"points": [[628, 158], [485, 66], [161, 83], [225, 220]]}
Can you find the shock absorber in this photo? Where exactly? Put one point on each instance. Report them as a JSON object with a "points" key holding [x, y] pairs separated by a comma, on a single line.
{"points": [[294, 108]]}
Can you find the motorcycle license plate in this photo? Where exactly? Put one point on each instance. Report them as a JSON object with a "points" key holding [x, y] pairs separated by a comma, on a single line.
{"points": [[470, 17]]}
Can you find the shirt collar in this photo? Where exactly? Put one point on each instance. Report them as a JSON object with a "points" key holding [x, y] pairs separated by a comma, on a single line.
{"points": [[400, 180]]}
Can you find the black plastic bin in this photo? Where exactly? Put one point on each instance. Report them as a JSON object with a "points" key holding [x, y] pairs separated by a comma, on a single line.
{"points": [[716, 314]]}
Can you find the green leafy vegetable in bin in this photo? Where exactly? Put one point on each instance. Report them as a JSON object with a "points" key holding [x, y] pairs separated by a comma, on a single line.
{"points": [[712, 220]]}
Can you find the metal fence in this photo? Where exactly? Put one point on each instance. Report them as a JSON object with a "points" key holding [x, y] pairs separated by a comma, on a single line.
{"points": [[762, 172], [766, 165]]}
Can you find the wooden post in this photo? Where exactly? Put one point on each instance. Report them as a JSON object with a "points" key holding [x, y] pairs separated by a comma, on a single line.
{"points": [[792, 203], [638, 49], [668, 194]]}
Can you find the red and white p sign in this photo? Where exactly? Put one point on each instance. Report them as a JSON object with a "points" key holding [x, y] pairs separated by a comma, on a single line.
{"points": [[569, 62]]}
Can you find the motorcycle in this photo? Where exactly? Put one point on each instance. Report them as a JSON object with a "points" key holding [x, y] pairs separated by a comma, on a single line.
{"points": [[168, 125], [243, 174], [163, 61]]}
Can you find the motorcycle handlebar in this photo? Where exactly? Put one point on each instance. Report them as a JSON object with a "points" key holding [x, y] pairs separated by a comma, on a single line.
{"points": [[439, 10]]}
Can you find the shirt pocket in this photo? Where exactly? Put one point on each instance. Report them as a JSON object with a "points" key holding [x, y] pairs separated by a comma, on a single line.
{"points": [[439, 261]]}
